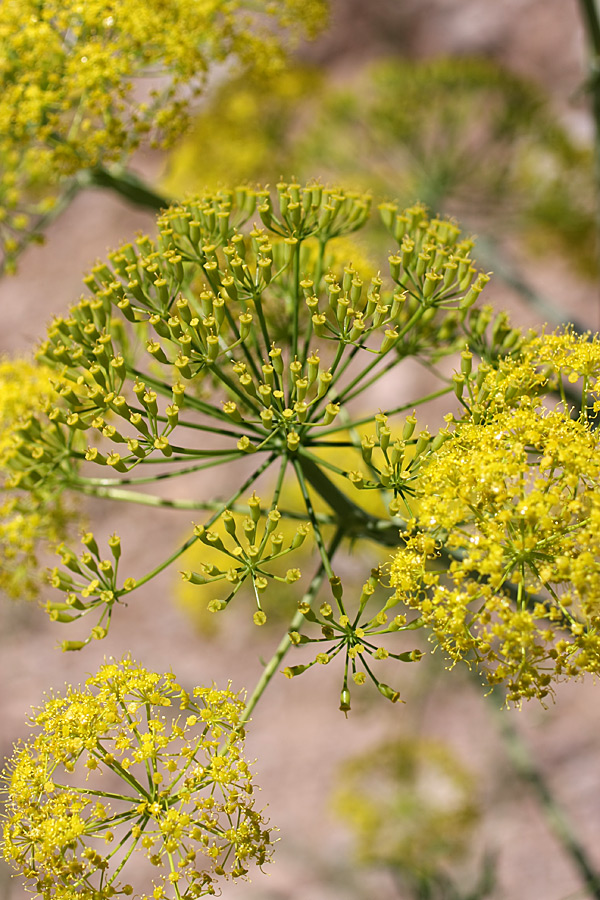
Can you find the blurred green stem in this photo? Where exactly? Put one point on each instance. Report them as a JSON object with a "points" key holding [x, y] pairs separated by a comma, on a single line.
{"points": [[125, 183], [491, 255], [527, 768], [591, 23]]}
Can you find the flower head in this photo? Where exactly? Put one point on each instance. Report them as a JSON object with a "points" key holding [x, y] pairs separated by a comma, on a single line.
{"points": [[132, 762], [513, 502]]}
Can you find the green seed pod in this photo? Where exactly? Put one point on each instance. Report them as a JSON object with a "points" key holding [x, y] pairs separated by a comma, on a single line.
{"points": [[245, 321], [395, 264], [409, 427], [422, 442], [336, 587], [92, 454], [325, 379], [398, 451], [301, 534], [134, 447], [388, 692], [331, 411], [276, 359], [155, 350], [356, 478], [230, 409], [293, 441], [245, 445], [266, 416], [114, 460], [319, 323], [159, 325], [367, 445], [114, 542], [89, 541], [390, 339], [345, 702], [163, 445], [292, 671], [149, 402], [458, 381], [194, 578], [182, 364]]}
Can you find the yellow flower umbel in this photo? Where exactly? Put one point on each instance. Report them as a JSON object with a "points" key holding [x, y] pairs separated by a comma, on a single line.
{"points": [[83, 83], [174, 787], [25, 519], [513, 501]]}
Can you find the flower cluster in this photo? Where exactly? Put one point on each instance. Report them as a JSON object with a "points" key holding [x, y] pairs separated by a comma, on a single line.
{"points": [[252, 346], [512, 501], [410, 804], [90, 583], [247, 555], [83, 84], [25, 518], [112, 771], [355, 639]]}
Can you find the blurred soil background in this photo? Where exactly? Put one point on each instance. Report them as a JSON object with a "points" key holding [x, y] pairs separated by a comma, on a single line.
{"points": [[300, 740]]}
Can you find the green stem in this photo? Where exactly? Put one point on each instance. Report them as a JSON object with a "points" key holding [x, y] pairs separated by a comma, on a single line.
{"points": [[63, 202], [295, 624], [311, 514], [296, 304], [525, 765], [76, 480], [347, 511], [263, 325], [125, 183], [115, 493], [591, 22], [318, 276]]}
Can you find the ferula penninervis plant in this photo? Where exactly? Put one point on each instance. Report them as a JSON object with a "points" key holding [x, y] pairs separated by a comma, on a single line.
{"points": [[243, 336]]}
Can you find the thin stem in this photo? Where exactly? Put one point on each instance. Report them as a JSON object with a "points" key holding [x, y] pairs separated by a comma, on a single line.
{"points": [[125, 183], [63, 202], [198, 426], [318, 276], [524, 763], [76, 480], [263, 325], [311, 514], [296, 622], [296, 303], [108, 493], [591, 23]]}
